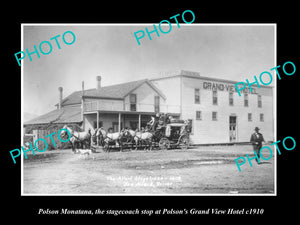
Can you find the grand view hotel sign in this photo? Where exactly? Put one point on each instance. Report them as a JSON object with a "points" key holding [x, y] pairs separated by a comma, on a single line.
{"points": [[225, 87]]}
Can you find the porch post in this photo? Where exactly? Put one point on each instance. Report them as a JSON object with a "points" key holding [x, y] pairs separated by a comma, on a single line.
{"points": [[139, 121], [97, 126], [119, 122]]}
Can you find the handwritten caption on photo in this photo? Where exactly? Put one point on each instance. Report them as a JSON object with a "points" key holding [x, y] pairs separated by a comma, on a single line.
{"points": [[145, 181]]}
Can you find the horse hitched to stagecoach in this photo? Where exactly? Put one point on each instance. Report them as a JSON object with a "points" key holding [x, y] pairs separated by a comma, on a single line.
{"points": [[162, 132]]}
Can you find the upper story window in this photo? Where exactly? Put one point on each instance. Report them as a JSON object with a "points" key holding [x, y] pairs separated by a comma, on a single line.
{"points": [[246, 100], [259, 102], [156, 104], [231, 98], [215, 98], [197, 96], [132, 100]]}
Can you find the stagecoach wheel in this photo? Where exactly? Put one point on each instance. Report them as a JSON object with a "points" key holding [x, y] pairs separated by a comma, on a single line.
{"points": [[164, 143], [184, 142]]}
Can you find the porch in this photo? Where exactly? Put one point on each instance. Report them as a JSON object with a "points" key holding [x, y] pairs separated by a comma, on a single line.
{"points": [[118, 120], [120, 106]]}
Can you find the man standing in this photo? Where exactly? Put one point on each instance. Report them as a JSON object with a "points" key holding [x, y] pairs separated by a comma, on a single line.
{"points": [[256, 140]]}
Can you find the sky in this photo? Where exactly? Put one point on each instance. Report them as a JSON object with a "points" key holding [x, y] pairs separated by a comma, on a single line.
{"points": [[232, 52]]}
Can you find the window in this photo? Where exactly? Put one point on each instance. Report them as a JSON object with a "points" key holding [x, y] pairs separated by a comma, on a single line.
{"points": [[132, 99], [259, 102], [198, 115], [231, 98], [261, 117], [215, 98], [197, 96], [214, 116], [246, 100], [156, 104], [249, 117]]}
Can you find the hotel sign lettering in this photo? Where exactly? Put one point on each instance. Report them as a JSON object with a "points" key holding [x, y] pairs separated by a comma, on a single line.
{"points": [[225, 87]]}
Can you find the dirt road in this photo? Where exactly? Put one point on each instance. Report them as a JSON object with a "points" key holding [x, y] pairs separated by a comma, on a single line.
{"points": [[202, 170]]}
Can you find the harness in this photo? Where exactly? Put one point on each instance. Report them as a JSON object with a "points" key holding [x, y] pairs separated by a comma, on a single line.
{"points": [[72, 135], [111, 139], [139, 138]]}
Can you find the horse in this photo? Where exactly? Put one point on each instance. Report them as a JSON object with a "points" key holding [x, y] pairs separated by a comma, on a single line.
{"points": [[130, 135], [78, 138], [95, 135], [140, 137], [106, 138], [100, 135]]}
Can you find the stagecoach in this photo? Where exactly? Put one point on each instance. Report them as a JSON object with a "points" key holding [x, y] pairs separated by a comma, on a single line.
{"points": [[172, 135]]}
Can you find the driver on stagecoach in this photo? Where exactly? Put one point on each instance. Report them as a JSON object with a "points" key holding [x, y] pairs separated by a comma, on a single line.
{"points": [[151, 122], [161, 121], [154, 121]]}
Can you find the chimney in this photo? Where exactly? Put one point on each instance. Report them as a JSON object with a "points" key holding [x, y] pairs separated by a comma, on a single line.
{"points": [[98, 78], [60, 89], [82, 88]]}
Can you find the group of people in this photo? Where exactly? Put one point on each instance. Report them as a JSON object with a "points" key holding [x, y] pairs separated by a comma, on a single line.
{"points": [[159, 121]]}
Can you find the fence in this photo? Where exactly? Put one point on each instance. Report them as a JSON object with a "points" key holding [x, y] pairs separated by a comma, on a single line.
{"points": [[36, 132], [42, 134]]}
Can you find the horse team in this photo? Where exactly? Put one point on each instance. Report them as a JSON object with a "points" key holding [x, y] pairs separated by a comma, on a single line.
{"points": [[125, 136], [107, 139]]}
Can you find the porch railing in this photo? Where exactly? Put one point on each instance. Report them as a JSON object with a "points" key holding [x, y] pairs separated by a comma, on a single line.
{"points": [[138, 107]]}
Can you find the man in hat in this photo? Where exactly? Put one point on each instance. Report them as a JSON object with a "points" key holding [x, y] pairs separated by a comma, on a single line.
{"points": [[154, 122], [256, 140]]}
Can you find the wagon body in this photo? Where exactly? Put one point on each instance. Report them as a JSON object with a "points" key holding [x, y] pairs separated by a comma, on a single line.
{"points": [[173, 135]]}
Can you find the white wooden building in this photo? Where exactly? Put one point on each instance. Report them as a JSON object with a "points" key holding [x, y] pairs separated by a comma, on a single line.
{"points": [[215, 110]]}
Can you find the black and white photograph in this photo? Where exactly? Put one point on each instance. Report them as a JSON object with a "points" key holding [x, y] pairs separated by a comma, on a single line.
{"points": [[144, 111], [157, 114]]}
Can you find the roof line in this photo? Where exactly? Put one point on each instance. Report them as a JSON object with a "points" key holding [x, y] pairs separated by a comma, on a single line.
{"points": [[99, 97], [136, 87], [156, 89], [205, 78], [151, 85]]}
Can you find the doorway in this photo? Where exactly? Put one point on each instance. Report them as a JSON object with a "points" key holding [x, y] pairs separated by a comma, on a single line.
{"points": [[232, 129]]}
